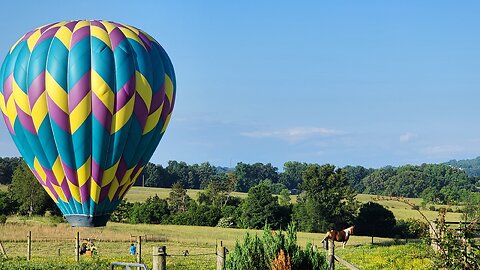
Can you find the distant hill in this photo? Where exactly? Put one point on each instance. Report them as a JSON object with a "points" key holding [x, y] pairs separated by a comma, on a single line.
{"points": [[470, 166]]}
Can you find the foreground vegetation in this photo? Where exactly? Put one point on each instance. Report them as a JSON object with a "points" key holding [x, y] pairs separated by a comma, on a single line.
{"points": [[114, 239]]}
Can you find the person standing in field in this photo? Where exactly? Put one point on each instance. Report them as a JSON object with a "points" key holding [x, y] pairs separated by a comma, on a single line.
{"points": [[133, 249]]}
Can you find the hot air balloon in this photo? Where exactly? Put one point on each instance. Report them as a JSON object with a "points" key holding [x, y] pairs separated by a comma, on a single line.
{"points": [[86, 103]]}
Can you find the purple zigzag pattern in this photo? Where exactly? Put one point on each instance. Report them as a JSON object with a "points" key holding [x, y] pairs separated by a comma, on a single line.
{"points": [[125, 93], [79, 91], [36, 89]]}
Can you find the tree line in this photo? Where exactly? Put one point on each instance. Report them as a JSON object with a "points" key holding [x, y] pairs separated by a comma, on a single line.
{"points": [[435, 183]]}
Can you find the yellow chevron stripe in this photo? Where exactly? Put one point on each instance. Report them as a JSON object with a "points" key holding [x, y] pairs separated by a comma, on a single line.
{"points": [[3, 108], [124, 190], [121, 117], [64, 35], [143, 89], [133, 29], [39, 111], [38, 168], [75, 192], [109, 174], [56, 92], [134, 178], [95, 191], [101, 34], [168, 88], [59, 191], [166, 123], [81, 24], [103, 91], [108, 26], [131, 35], [57, 169], [11, 111], [32, 40], [81, 112], [84, 172], [21, 99], [51, 194], [152, 120], [126, 177], [113, 188]]}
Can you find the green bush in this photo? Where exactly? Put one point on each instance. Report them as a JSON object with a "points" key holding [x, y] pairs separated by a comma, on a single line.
{"points": [[410, 229], [3, 219], [258, 253]]}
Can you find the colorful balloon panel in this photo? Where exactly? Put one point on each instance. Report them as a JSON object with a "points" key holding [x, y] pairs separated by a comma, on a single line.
{"points": [[86, 103]]}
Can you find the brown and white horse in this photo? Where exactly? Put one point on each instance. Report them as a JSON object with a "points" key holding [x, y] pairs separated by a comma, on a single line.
{"points": [[340, 236]]}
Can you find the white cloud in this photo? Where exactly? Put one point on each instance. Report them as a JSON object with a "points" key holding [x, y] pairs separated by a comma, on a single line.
{"points": [[406, 137], [292, 134]]}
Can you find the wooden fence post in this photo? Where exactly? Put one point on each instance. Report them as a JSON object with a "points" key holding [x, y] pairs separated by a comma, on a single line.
{"points": [[139, 247], [160, 258], [331, 255], [221, 254], [29, 246], [77, 247]]}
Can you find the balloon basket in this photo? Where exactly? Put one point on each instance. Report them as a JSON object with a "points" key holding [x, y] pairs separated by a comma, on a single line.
{"points": [[87, 221]]}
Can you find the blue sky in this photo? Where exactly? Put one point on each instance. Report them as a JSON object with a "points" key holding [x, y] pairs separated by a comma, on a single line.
{"points": [[369, 83]]}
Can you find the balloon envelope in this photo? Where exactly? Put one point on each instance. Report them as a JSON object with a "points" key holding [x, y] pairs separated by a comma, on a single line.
{"points": [[86, 103]]}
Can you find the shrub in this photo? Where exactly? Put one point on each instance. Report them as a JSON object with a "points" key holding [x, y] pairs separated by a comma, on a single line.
{"points": [[3, 219], [432, 208], [411, 228], [274, 251]]}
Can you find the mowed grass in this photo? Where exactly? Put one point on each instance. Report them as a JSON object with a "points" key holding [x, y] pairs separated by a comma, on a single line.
{"points": [[140, 194], [399, 209], [404, 211], [51, 239]]}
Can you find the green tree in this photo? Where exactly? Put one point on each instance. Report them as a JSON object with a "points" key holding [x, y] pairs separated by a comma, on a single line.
{"points": [[284, 199], [156, 176], [375, 220], [249, 175], [355, 176], [471, 208], [260, 208], [27, 191], [291, 176], [328, 200], [153, 211], [7, 167], [178, 199], [7, 204], [123, 212]]}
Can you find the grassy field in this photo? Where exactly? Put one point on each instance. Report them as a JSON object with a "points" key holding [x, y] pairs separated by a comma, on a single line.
{"points": [[113, 241], [3, 188]]}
